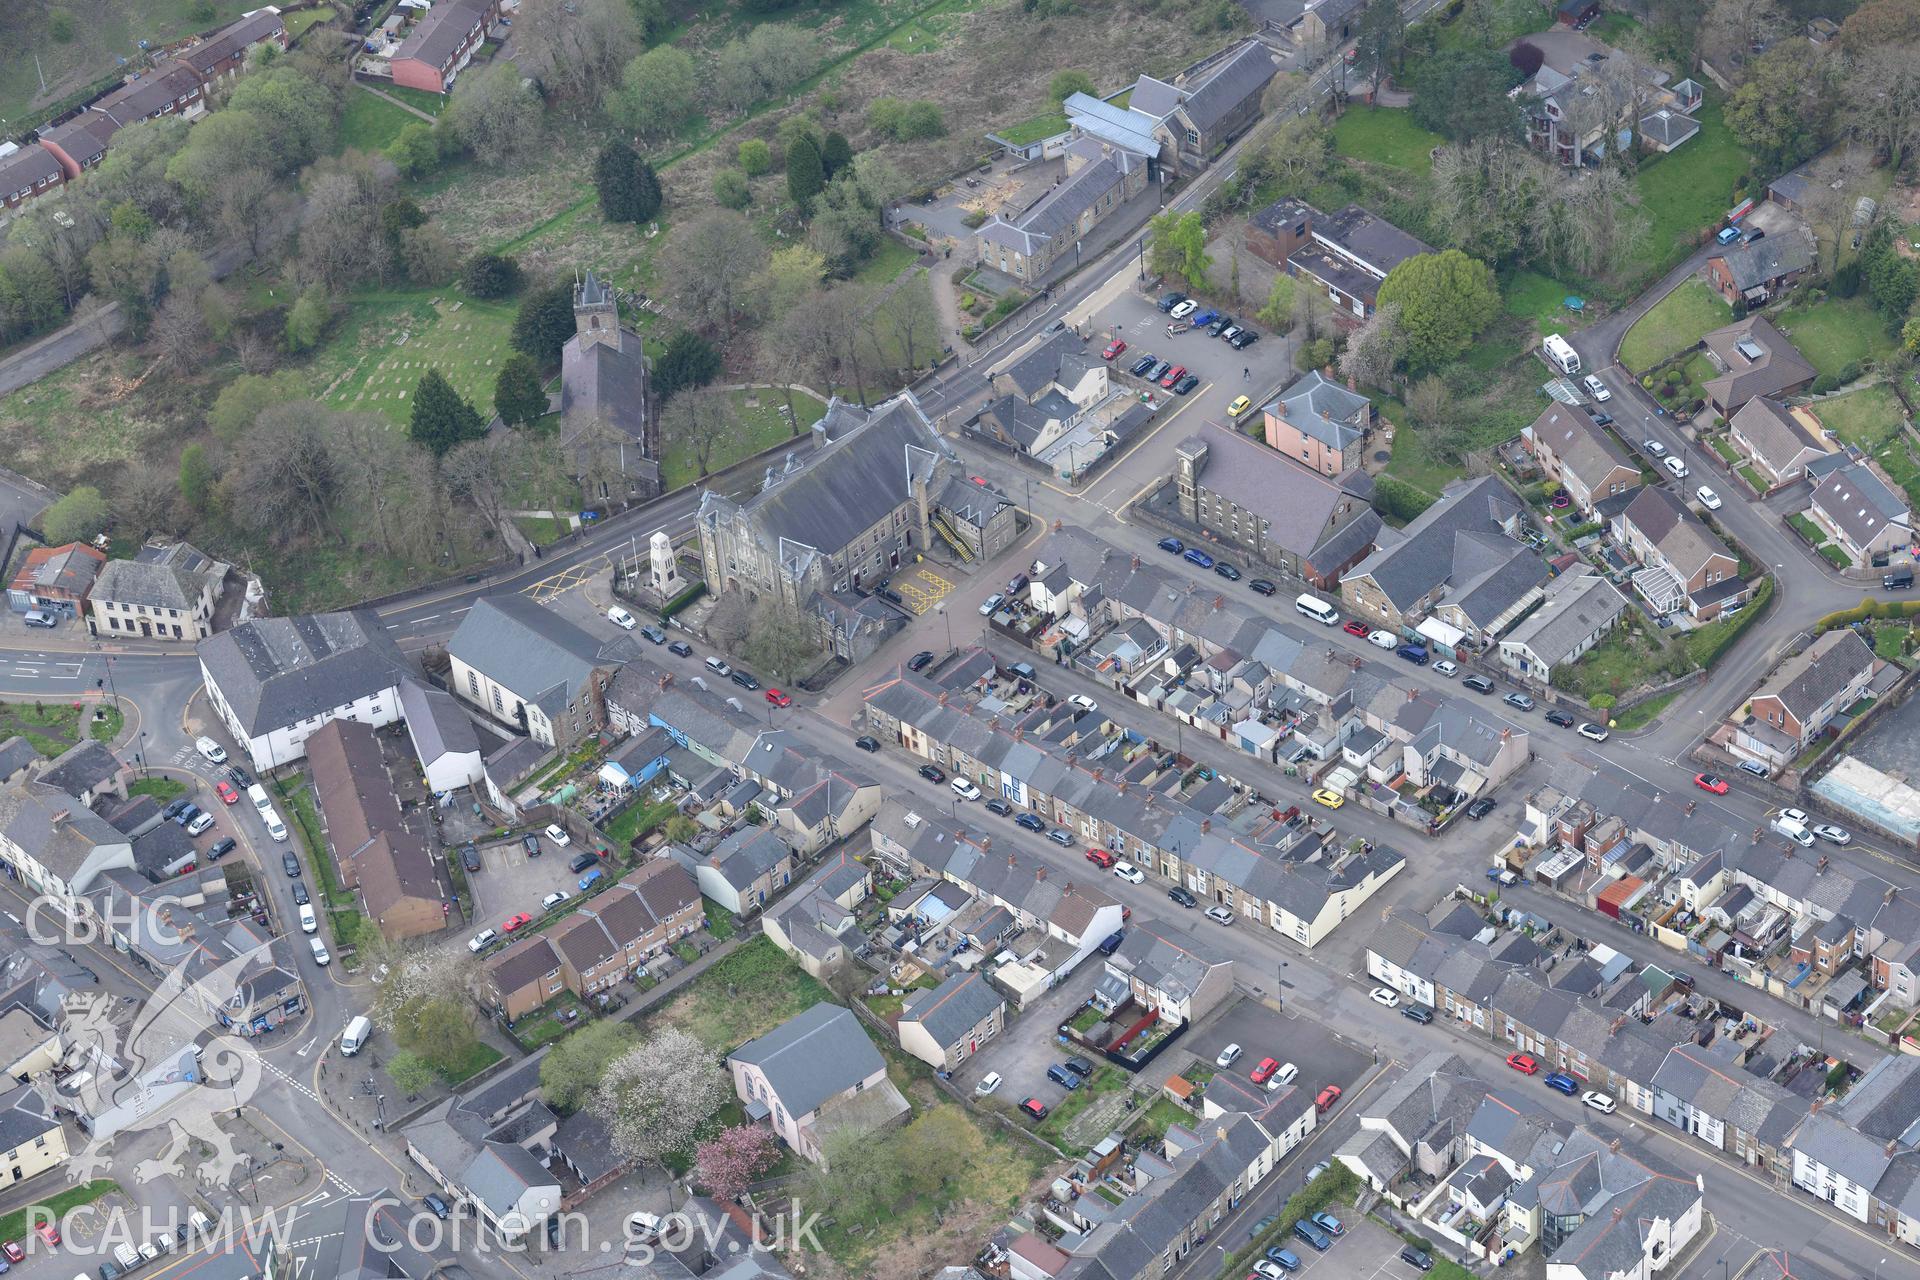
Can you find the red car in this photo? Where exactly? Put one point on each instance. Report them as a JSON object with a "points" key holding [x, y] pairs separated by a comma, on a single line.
{"points": [[1328, 1096], [778, 698], [226, 792], [1101, 858], [1264, 1072], [1174, 375], [1523, 1063], [13, 1251], [48, 1232], [1035, 1108], [1710, 782], [514, 922], [1355, 627], [1114, 348]]}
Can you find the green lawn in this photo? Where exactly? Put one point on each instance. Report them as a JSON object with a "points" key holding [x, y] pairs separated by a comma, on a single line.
{"points": [[1622, 662], [475, 1060], [1055, 1128], [1542, 299], [1042, 126], [14, 1225], [888, 261], [1870, 418], [52, 727], [763, 424], [1837, 332], [161, 789], [543, 531], [1642, 714], [1689, 189], [1386, 136], [1612, 28], [390, 339], [638, 820], [99, 33], [431, 103], [746, 993], [298, 23], [1724, 447], [1676, 322], [370, 122]]}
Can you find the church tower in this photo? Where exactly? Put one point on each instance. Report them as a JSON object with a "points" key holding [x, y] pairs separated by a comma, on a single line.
{"points": [[596, 316]]}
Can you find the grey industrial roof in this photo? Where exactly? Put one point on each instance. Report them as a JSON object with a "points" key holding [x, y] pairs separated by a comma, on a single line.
{"points": [[954, 1008], [275, 672], [813, 1057], [1369, 238], [1129, 129], [1058, 210], [530, 649]]}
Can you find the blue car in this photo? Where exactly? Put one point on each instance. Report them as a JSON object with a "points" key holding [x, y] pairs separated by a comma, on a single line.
{"points": [[1204, 319], [586, 881], [1285, 1259], [1196, 556], [1564, 1083]]}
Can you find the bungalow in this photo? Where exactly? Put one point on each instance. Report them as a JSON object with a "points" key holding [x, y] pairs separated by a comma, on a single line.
{"points": [[1778, 441], [441, 44], [1755, 359], [1577, 453], [1320, 423], [817, 1081], [1683, 565], [1864, 515], [1751, 273], [1278, 512], [1578, 611], [1800, 697], [943, 1026]]}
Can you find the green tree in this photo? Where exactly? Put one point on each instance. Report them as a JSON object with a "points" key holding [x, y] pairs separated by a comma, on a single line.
{"points": [[307, 320], [1445, 299], [411, 1074], [416, 150], [905, 121], [441, 419], [629, 190], [1277, 313], [574, 1065], [1893, 282], [1177, 246], [517, 395], [680, 828], [730, 189], [1462, 93], [77, 517], [241, 401], [806, 174], [1067, 83], [689, 361], [490, 275], [782, 643], [1783, 110], [196, 478], [544, 323], [1910, 336], [437, 1029], [1382, 37], [755, 157], [657, 92], [836, 153]]}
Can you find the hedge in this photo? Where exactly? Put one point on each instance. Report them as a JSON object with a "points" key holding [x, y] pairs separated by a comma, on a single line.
{"points": [[682, 600], [1398, 500], [1869, 609], [1708, 645], [1337, 1183]]}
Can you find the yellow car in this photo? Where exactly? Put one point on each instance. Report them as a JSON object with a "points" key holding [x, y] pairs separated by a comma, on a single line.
{"points": [[1331, 799], [1239, 406]]}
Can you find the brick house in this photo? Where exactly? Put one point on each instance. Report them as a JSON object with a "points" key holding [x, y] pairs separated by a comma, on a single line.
{"points": [[1683, 566], [224, 53], [56, 578], [1800, 698], [1755, 272], [27, 173], [1860, 511], [1573, 450], [442, 43], [380, 850], [1347, 253]]}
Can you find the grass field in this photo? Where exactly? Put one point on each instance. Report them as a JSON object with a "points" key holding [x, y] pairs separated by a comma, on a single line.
{"points": [[1837, 332], [1870, 418], [763, 424], [1690, 188], [1041, 126], [99, 32], [379, 356], [13, 1226], [1541, 299], [52, 727], [716, 1008], [370, 122], [888, 261], [297, 23], [1676, 322], [1386, 136], [431, 103]]}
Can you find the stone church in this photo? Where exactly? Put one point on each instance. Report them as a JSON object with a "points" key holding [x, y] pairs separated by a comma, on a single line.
{"points": [[607, 430]]}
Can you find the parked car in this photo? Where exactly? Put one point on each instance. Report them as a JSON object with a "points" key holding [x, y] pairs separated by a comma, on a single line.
{"points": [[653, 634], [1596, 388], [1181, 896], [1172, 375], [200, 825], [1228, 1056], [1143, 364], [1555, 716], [1174, 545], [991, 603], [556, 833], [1102, 858], [580, 862], [1598, 1101], [998, 806], [1220, 324], [1064, 1078], [1329, 1224], [1524, 1063], [1832, 834], [1518, 701], [226, 792], [680, 649], [1195, 556], [988, 1083], [965, 789], [1169, 301], [1062, 837], [1383, 640], [290, 864], [1201, 319], [1416, 1013], [1313, 1235], [1355, 627], [1243, 339], [1381, 995], [1226, 570], [1183, 308], [1677, 467], [220, 848], [1158, 371], [1331, 799], [1710, 782], [470, 856], [1592, 732], [1264, 1072], [211, 750], [1035, 1108], [1085, 703], [1220, 915], [1113, 348], [554, 899], [1480, 808], [779, 699], [1030, 822], [531, 844], [866, 743], [1238, 406], [932, 773], [920, 661], [1444, 668], [300, 894], [481, 940], [1262, 587], [1708, 498], [744, 680], [1561, 1082], [1328, 1096], [515, 922], [1186, 384], [1478, 683], [621, 618], [1654, 448]]}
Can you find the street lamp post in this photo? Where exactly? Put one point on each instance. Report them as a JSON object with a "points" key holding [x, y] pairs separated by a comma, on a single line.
{"points": [[941, 609]]}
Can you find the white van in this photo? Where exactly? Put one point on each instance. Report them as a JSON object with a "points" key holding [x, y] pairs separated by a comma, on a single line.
{"points": [[320, 953], [1317, 609], [1560, 354], [258, 794], [210, 750], [355, 1036], [309, 922], [1794, 830], [275, 828]]}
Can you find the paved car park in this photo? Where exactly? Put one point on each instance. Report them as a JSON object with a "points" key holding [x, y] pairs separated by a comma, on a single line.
{"points": [[1323, 1056], [509, 881], [1224, 373], [1367, 1251], [1022, 1053]]}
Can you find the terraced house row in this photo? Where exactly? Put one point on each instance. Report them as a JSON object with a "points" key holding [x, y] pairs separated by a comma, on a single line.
{"points": [[1119, 795]]}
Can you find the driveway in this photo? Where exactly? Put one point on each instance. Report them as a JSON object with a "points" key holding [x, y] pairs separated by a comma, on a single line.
{"points": [[509, 881], [1030, 1044]]}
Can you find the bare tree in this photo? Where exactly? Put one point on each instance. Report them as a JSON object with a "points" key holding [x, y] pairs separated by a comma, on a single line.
{"points": [[710, 264], [282, 477], [340, 226], [1428, 401], [179, 333], [494, 114], [478, 473], [798, 350], [699, 421], [1375, 348], [144, 495], [1884, 91], [1831, 201], [1309, 311], [369, 452], [841, 314], [577, 47], [1736, 29], [252, 207], [254, 352], [906, 324]]}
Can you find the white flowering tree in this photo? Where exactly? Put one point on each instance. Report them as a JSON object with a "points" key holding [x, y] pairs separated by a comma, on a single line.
{"points": [[656, 1097]]}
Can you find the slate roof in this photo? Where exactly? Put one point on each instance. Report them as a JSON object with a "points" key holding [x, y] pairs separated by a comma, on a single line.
{"points": [[954, 1008], [1805, 682], [27, 168], [1764, 261], [84, 138], [1297, 503], [235, 37], [53, 828], [748, 854], [604, 381], [1859, 502], [1580, 444], [1780, 439], [1576, 605], [1058, 210], [156, 93], [438, 35], [157, 586], [1228, 84], [275, 672], [841, 490], [812, 1057], [16, 754], [1322, 409], [1166, 960], [390, 856], [24, 1115], [1668, 128], [435, 721], [1458, 533], [1621, 1195], [85, 765], [1667, 522], [71, 569], [1061, 360], [1780, 367], [530, 649]]}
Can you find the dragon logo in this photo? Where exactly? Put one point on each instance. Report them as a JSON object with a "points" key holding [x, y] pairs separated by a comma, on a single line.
{"points": [[161, 1076]]}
